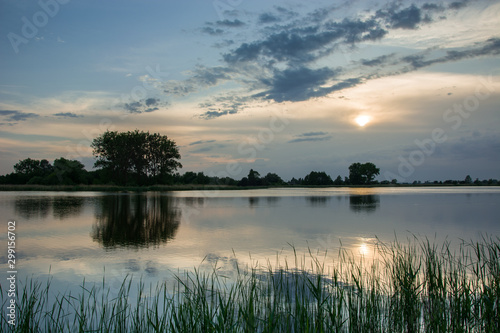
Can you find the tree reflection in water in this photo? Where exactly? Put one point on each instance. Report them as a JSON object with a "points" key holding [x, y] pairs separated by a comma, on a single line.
{"points": [[135, 220], [40, 207], [364, 203]]}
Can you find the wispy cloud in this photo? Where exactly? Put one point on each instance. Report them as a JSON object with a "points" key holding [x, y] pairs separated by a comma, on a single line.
{"points": [[67, 115], [15, 115], [311, 137], [199, 142]]}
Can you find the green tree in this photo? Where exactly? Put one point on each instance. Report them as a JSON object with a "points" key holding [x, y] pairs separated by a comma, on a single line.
{"points": [[362, 174], [136, 153], [253, 178], [273, 179], [317, 178], [68, 172], [32, 171]]}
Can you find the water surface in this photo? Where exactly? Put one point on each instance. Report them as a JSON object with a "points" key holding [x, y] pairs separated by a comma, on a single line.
{"points": [[77, 235]]}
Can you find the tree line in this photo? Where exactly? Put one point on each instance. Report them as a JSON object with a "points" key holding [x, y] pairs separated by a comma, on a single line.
{"points": [[137, 158]]}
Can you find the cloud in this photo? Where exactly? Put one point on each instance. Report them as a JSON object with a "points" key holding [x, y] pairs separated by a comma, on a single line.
{"points": [[266, 18], [223, 105], [231, 24], [144, 106], [67, 115], [200, 142], [488, 47], [14, 115], [313, 134], [377, 61], [207, 148], [296, 84], [212, 31], [305, 44], [458, 4], [408, 18], [200, 77], [314, 139], [283, 65], [311, 137]]}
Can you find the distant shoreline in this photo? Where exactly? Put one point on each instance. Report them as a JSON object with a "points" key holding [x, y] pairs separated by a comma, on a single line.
{"points": [[194, 187]]}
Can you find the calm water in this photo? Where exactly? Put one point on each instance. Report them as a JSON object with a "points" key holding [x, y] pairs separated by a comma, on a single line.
{"points": [[90, 234]]}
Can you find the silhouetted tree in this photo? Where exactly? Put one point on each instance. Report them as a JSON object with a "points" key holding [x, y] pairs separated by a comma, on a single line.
{"points": [[338, 181], [136, 153], [273, 179], [318, 178], [362, 174]]}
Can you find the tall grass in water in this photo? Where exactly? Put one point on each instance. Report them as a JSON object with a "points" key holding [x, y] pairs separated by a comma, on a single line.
{"points": [[414, 287]]}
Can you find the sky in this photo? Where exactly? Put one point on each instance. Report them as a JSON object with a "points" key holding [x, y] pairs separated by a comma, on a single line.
{"points": [[287, 87]]}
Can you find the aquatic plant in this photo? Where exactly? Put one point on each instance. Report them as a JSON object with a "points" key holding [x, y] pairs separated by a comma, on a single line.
{"points": [[416, 286]]}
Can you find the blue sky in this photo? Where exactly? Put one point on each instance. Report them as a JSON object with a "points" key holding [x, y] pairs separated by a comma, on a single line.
{"points": [[277, 86]]}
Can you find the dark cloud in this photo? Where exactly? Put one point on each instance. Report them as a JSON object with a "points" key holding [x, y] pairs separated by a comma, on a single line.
{"points": [[458, 4], [151, 101], [67, 115], [279, 66], [200, 142], [382, 60], [223, 105], [266, 18], [230, 24], [212, 31], [489, 47], [297, 84], [144, 106], [207, 148], [201, 77], [14, 115], [311, 139], [407, 18], [305, 44], [313, 134], [432, 7]]}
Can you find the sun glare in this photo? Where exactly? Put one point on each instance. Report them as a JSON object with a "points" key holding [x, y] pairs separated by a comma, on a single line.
{"points": [[362, 120]]}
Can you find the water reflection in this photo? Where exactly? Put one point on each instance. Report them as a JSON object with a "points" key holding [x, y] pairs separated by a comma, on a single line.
{"points": [[318, 201], [364, 203], [253, 201], [135, 220], [40, 207]]}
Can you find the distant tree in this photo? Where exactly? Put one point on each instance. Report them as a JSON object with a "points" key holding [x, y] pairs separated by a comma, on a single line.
{"points": [[318, 178], [136, 153], [338, 181], [31, 171], [253, 178], [273, 179], [468, 180], [69, 172], [362, 174]]}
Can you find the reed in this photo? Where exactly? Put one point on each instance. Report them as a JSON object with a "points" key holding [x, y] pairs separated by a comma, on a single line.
{"points": [[415, 286]]}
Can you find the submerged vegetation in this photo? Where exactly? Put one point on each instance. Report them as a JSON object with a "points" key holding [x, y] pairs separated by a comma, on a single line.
{"points": [[413, 287]]}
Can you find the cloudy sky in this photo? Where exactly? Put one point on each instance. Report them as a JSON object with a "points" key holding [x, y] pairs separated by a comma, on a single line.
{"points": [[278, 86]]}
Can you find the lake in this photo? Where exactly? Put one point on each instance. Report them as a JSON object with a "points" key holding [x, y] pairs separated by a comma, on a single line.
{"points": [[87, 235]]}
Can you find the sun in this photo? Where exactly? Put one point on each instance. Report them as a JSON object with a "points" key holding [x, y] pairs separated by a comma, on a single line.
{"points": [[362, 120]]}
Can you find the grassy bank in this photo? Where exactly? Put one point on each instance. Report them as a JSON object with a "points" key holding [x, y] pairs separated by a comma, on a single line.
{"points": [[115, 188], [413, 287]]}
